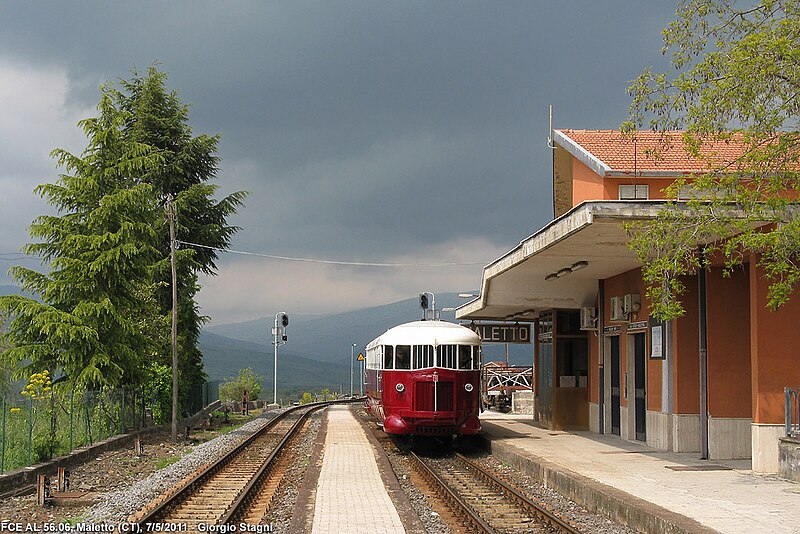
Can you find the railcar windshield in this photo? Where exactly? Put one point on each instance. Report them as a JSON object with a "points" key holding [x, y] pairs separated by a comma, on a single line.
{"points": [[423, 356], [402, 357], [465, 357], [407, 357]]}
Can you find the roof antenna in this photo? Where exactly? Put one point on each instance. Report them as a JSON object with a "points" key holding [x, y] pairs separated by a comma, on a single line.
{"points": [[550, 132]]}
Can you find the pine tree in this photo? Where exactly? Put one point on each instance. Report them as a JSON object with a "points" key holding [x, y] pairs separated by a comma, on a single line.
{"points": [[93, 320], [158, 118]]}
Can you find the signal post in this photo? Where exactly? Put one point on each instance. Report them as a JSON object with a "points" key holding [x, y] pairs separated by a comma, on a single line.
{"points": [[279, 337]]}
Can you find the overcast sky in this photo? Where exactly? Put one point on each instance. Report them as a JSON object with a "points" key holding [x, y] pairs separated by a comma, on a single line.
{"points": [[366, 131]]}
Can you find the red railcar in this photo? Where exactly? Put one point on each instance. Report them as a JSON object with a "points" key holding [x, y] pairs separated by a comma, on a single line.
{"points": [[423, 378]]}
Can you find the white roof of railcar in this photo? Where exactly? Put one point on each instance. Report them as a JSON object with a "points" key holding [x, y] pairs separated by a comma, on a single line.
{"points": [[427, 333]]}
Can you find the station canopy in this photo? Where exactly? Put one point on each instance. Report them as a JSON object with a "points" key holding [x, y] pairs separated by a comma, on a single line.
{"points": [[559, 266]]}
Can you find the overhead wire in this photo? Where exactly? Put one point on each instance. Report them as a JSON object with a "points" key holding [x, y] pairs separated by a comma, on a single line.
{"points": [[331, 262]]}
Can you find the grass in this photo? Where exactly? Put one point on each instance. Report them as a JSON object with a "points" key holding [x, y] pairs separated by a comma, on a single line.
{"points": [[161, 463]]}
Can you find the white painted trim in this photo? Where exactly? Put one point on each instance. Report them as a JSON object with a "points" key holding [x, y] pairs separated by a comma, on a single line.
{"points": [[580, 153]]}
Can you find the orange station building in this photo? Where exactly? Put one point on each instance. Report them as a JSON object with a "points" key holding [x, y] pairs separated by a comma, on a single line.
{"points": [[601, 362]]}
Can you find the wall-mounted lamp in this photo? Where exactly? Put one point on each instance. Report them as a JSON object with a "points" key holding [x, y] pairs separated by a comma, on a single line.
{"points": [[579, 265], [563, 272]]}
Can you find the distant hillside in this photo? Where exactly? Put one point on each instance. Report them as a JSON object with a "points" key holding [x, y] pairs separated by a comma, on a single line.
{"points": [[329, 338], [223, 357]]}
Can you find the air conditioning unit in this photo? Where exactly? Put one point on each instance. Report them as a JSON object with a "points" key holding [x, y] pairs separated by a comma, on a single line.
{"points": [[631, 303], [588, 318], [617, 309]]}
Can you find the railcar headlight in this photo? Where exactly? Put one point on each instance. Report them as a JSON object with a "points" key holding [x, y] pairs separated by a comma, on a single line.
{"points": [[399, 387], [468, 387]]}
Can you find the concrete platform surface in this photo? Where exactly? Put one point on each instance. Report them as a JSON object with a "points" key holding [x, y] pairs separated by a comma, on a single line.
{"points": [[650, 490], [351, 496]]}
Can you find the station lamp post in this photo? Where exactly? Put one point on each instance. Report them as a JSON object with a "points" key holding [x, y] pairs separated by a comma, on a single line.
{"points": [[352, 351]]}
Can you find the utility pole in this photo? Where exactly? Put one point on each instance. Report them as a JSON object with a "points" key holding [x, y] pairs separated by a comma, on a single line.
{"points": [[172, 219]]}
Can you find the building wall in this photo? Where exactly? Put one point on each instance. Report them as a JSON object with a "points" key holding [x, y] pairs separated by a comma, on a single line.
{"points": [[775, 348], [655, 189], [617, 286], [729, 394], [686, 365], [586, 184]]}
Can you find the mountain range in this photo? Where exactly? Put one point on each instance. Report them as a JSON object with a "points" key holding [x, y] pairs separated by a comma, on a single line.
{"points": [[318, 348]]}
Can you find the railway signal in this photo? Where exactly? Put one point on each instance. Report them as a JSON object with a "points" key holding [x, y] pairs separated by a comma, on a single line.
{"points": [[279, 337], [428, 305]]}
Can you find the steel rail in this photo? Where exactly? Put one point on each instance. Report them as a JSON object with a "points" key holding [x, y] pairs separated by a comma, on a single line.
{"points": [[452, 497], [521, 499], [189, 487], [247, 493]]}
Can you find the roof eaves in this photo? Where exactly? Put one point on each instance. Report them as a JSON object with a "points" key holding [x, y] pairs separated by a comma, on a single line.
{"points": [[650, 174], [583, 155]]}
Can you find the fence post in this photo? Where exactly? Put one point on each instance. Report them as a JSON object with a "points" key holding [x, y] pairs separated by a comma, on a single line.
{"points": [[30, 427], [88, 422], [787, 411], [122, 415], [71, 409]]}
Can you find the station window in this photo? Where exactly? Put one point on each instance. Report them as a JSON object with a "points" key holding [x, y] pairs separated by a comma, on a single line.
{"points": [[634, 192], [388, 356], [402, 357]]}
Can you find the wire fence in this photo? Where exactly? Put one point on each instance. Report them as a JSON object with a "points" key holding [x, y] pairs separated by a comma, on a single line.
{"points": [[36, 428]]}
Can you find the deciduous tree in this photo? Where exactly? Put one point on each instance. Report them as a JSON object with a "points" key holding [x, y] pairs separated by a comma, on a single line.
{"points": [[734, 78]]}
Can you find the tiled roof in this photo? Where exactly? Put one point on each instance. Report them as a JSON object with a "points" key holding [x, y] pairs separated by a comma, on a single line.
{"points": [[648, 151]]}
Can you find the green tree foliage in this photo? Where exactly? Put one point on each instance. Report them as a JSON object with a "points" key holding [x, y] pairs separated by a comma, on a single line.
{"points": [[157, 117], [233, 388], [98, 296], [734, 79]]}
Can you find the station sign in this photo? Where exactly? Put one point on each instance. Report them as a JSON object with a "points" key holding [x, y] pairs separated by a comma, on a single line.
{"points": [[613, 330], [638, 325], [502, 333]]}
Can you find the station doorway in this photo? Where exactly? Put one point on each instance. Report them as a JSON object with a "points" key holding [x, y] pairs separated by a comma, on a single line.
{"points": [[640, 385], [615, 385]]}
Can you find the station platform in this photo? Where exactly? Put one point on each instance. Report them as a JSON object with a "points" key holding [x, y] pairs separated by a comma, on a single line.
{"points": [[649, 490], [351, 495]]}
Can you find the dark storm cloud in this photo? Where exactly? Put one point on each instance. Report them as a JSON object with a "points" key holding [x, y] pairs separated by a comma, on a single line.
{"points": [[364, 129]]}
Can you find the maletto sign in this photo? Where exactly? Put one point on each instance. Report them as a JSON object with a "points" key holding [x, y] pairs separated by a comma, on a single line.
{"points": [[502, 333]]}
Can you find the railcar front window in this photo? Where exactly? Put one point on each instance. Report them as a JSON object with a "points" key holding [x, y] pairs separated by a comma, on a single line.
{"points": [[423, 356], [447, 356], [388, 356], [403, 357], [465, 357]]}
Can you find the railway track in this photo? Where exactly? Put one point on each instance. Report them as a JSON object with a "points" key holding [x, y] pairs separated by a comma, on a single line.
{"points": [[483, 502], [239, 486]]}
